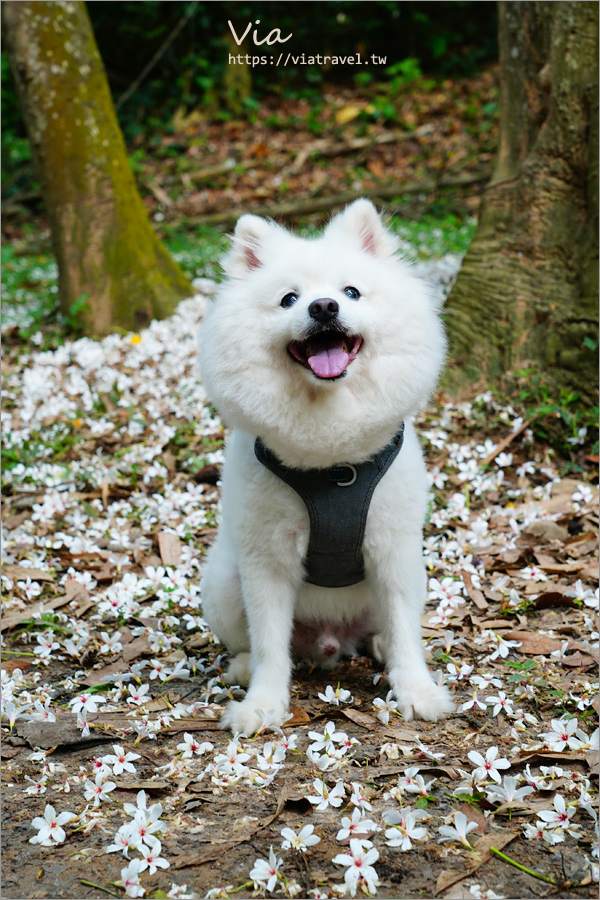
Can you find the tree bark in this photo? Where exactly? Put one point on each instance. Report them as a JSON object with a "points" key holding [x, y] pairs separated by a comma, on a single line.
{"points": [[106, 250], [527, 293]]}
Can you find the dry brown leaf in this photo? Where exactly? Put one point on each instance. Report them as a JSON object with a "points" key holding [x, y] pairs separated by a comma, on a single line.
{"points": [[359, 718], [169, 547], [21, 573], [482, 847], [533, 644]]}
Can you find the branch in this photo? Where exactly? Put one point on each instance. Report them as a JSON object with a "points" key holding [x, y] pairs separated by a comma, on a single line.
{"points": [[160, 52], [317, 204]]}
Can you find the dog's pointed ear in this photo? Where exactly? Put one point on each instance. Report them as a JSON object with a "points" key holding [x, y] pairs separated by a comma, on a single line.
{"points": [[362, 220], [247, 249]]}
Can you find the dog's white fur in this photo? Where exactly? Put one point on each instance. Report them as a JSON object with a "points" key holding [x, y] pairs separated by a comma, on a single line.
{"points": [[253, 586]]}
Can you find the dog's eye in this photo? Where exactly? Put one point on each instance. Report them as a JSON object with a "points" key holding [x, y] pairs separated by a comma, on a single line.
{"points": [[289, 300], [352, 292]]}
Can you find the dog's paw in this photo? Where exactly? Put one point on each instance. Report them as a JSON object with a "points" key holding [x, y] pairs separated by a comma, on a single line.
{"points": [[424, 700], [376, 647], [248, 716], [238, 671]]}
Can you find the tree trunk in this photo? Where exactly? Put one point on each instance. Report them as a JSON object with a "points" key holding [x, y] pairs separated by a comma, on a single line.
{"points": [[106, 250], [527, 293]]}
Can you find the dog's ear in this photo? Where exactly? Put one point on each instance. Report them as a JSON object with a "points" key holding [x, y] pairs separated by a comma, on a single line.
{"points": [[247, 246], [362, 220]]}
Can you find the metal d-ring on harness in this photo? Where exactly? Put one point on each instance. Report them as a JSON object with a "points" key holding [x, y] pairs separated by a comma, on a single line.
{"points": [[337, 501]]}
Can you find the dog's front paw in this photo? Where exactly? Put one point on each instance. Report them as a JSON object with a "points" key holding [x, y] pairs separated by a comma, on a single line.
{"points": [[248, 716], [424, 700]]}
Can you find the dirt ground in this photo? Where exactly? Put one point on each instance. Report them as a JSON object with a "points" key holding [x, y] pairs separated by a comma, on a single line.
{"points": [[104, 539]]}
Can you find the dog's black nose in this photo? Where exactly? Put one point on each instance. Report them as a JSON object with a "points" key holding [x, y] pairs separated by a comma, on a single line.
{"points": [[323, 310]]}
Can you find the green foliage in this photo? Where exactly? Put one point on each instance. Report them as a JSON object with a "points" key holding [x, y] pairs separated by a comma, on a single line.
{"points": [[557, 415]]}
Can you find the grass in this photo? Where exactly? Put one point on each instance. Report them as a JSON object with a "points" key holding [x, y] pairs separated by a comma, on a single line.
{"points": [[30, 280]]}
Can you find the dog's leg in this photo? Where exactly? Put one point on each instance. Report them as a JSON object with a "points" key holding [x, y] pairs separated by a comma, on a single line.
{"points": [[221, 591], [269, 601], [398, 579]]}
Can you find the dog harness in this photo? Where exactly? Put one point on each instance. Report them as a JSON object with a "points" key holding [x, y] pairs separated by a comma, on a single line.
{"points": [[337, 501]]}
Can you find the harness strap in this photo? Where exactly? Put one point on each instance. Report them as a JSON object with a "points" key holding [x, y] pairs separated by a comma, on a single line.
{"points": [[337, 500]]}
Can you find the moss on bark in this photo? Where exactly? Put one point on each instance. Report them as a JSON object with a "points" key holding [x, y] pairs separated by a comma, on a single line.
{"points": [[104, 243], [528, 289]]}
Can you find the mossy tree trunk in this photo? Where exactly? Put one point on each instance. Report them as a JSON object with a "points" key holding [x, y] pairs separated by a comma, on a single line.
{"points": [[527, 293], [102, 237]]}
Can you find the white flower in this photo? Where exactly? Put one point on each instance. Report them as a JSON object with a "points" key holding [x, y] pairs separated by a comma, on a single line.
{"points": [[326, 740], [357, 826], [508, 792], [190, 746], [151, 858], [357, 798], [301, 841], [488, 766], [359, 863], [85, 703], [560, 817], [326, 797], [50, 827], [385, 707], [120, 760], [98, 790], [138, 694], [404, 827], [459, 831], [336, 696], [111, 644], [265, 874], [563, 734], [130, 878]]}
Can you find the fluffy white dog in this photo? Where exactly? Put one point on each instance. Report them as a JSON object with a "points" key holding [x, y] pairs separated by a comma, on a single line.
{"points": [[318, 352]]}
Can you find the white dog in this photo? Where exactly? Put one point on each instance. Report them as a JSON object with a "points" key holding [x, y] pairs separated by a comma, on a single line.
{"points": [[318, 352]]}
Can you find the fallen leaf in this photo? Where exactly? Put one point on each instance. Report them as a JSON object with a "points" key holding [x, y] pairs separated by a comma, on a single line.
{"points": [[482, 847], [22, 573], [359, 718], [169, 547], [533, 644]]}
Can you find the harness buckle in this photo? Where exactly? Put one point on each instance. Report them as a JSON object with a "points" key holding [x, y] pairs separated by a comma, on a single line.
{"points": [[351, 480]]}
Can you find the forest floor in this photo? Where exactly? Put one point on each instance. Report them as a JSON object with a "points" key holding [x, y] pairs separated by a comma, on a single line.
{"points": [[110, 502], [111, 680]]}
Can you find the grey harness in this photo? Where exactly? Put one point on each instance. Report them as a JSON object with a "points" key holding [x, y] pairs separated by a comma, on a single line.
{"points": [[337, 501]]}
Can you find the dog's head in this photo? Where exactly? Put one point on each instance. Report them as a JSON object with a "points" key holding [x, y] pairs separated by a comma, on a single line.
{"points": [[321, 346]]}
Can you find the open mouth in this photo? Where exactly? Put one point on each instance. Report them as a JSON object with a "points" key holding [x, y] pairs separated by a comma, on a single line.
{"points": [[327, 353]]}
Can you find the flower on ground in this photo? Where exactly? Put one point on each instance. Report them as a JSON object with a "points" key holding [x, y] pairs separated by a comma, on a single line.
{"points": [[130, 878], [563, 734], [190, 746], [50, 827], [501, 702], [357, 798], [385, 707], [265, 874], [120, 760], [85, 703], [337, 696], [326, 797], [359, 866], [457, 832], [489, 765], [403, 827], [301, 841], [472, 703], [508, 792], [357, 826], [560, 816], [151, 858], [98, 790]]}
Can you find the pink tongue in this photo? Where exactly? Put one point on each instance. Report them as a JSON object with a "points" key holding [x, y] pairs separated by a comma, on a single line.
{"points": [[328, 362]]}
